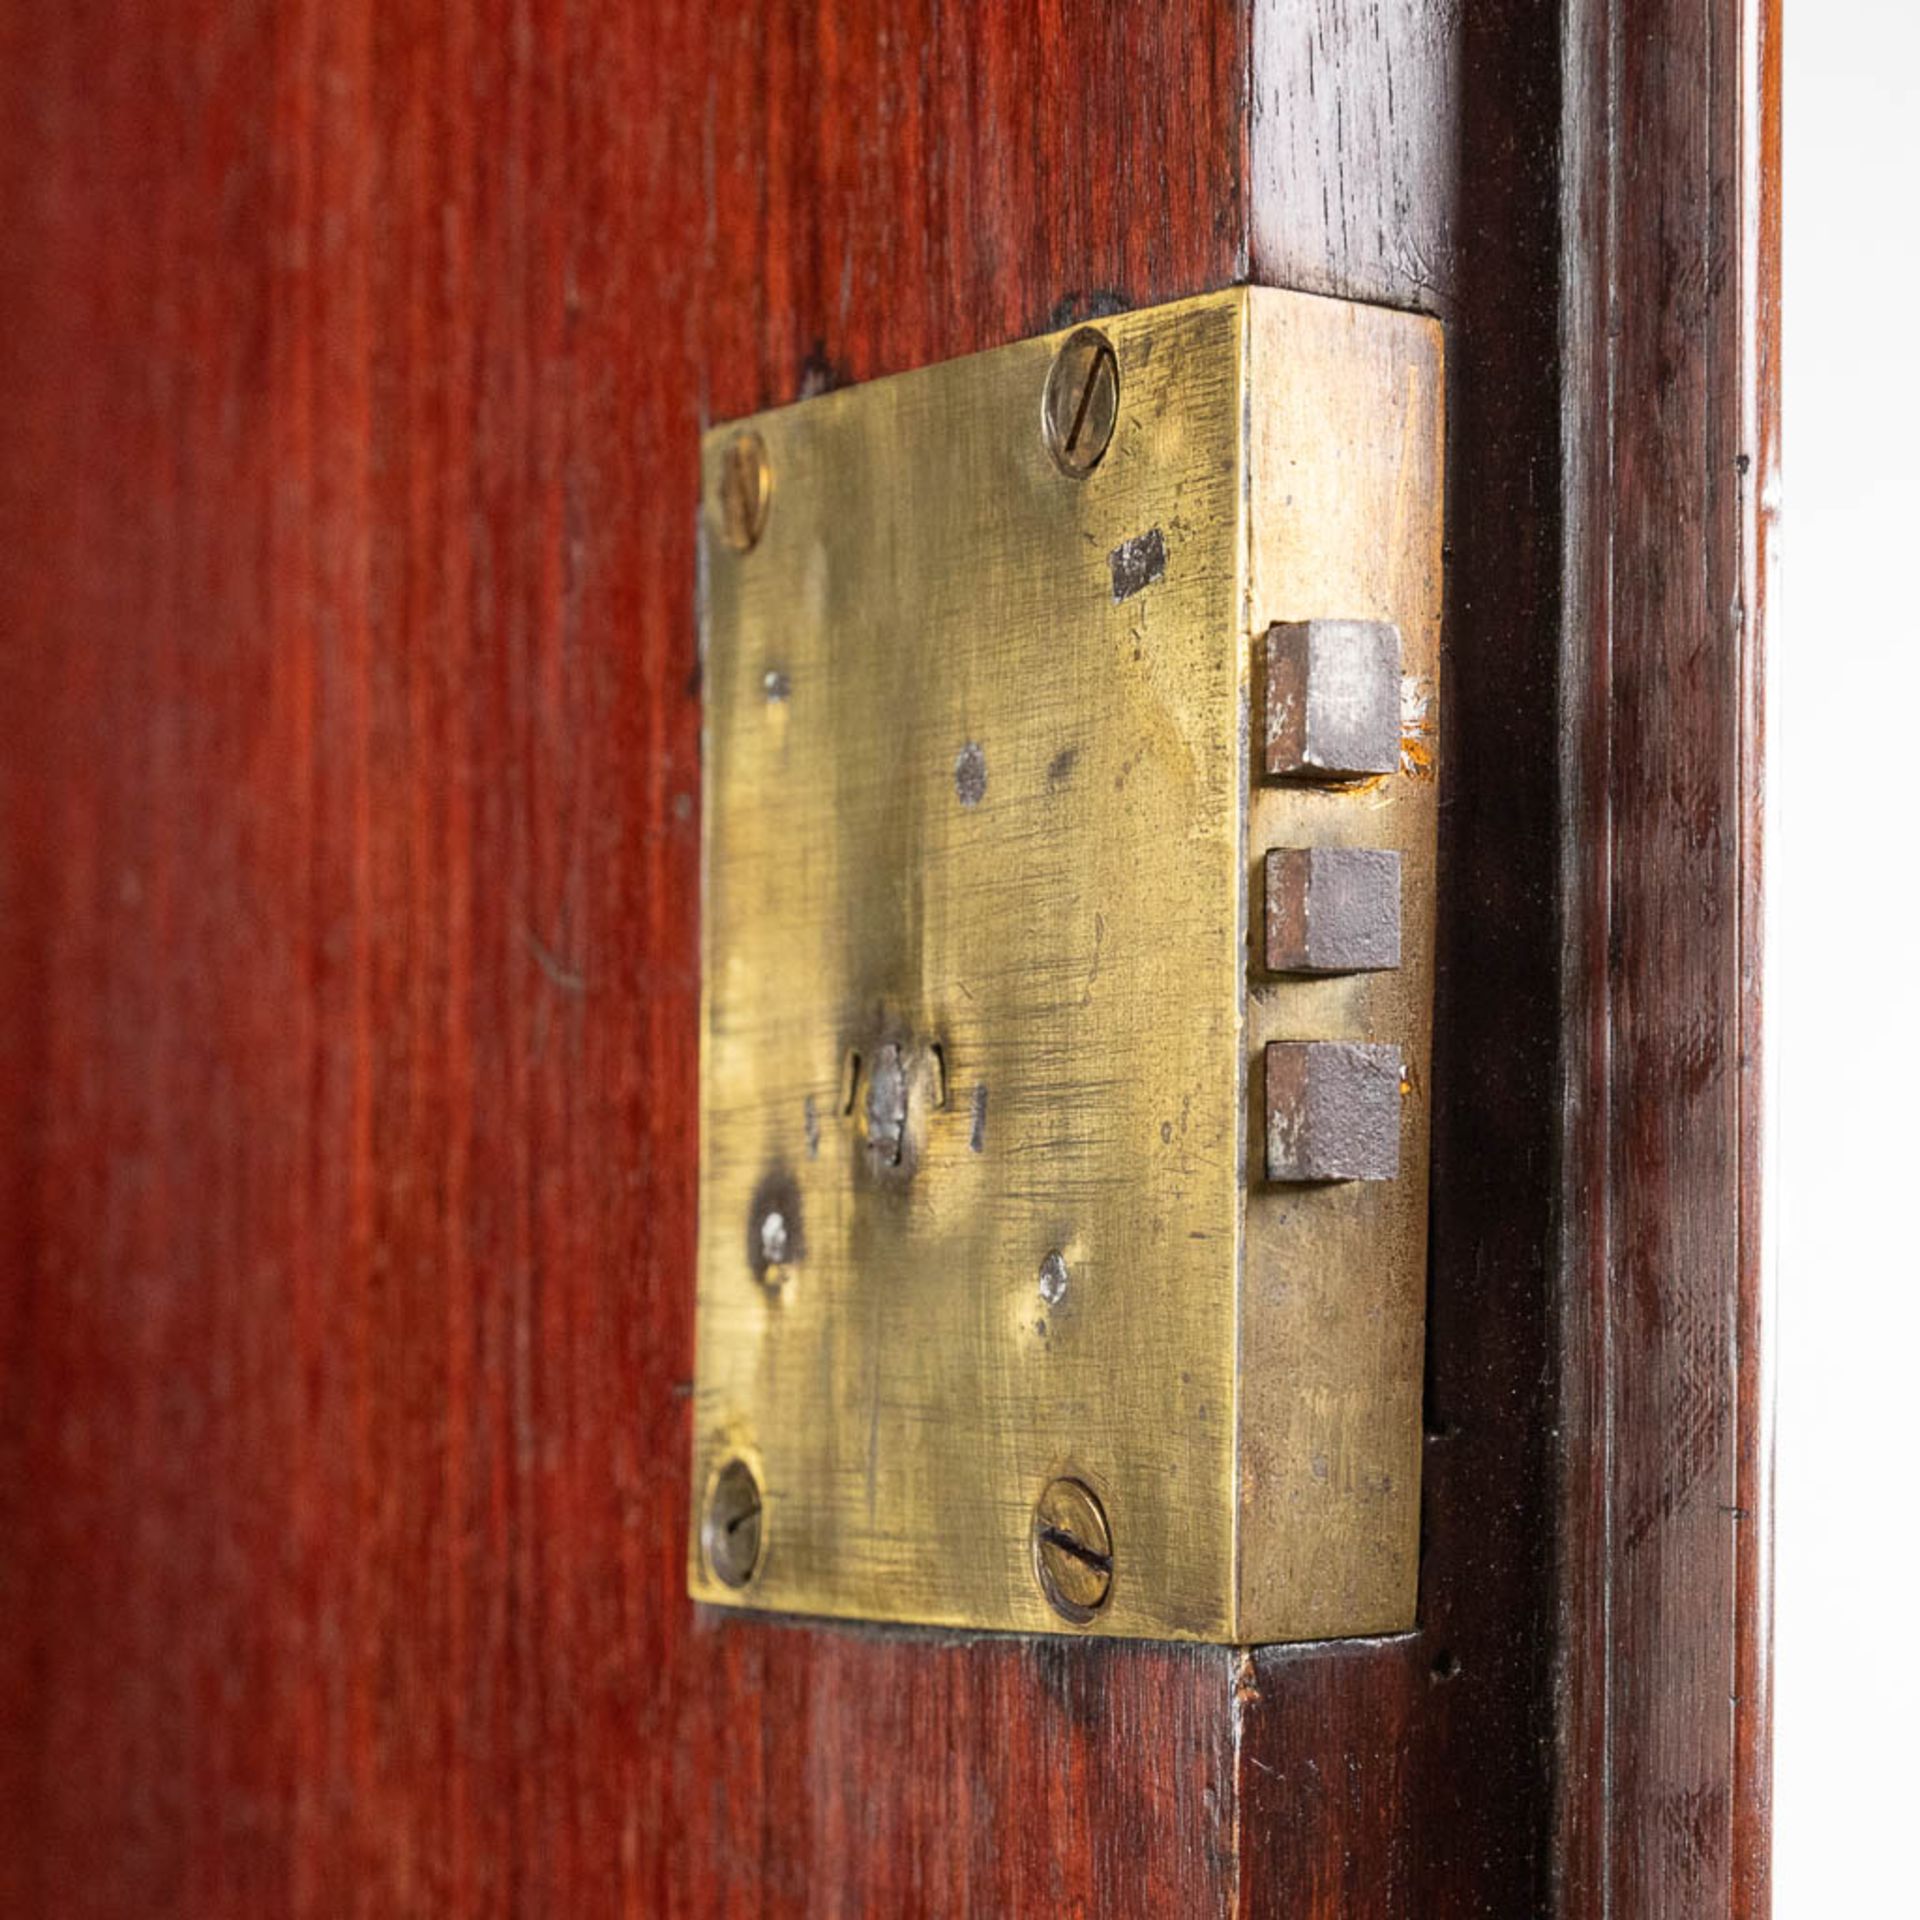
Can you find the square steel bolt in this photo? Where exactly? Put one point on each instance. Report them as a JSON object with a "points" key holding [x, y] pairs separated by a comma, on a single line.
{"points": [[1333, 910], [1333, 1110], [1332, 699]]}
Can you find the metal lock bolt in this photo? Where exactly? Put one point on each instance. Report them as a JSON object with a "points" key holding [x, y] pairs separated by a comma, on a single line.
{"points": [[1333, 1110], [1332, 699], [1332, 909]]}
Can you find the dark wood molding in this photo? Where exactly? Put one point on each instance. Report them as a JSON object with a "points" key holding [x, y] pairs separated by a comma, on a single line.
{"points": [[1671, 304], [1407, 153]]}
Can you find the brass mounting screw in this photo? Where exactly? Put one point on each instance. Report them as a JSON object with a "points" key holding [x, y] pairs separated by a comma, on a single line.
{"points": [[1082, 402], [746, 489], [1072, 1550], [730, 1529]]}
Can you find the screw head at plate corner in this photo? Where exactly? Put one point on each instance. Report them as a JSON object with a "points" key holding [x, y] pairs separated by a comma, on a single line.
{"points": [[732, 1526], [1072, 1549], [746, 490], [1082, 403]]}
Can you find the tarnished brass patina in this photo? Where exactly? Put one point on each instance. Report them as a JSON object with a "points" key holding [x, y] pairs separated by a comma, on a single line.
{"points": [[1002, 1321]]}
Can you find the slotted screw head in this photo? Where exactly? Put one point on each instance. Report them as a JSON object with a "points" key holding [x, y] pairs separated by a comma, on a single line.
{"points": [[746, 488], [730, 1528], [1082, 402], [1072, 1550]]}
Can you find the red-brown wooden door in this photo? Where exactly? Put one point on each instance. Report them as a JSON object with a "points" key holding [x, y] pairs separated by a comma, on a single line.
{"points": [[352, 360]]}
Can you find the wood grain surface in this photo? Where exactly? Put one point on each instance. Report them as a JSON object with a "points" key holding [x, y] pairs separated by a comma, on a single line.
{"points": [[355, 360], [351, 373], [1672, 289]]}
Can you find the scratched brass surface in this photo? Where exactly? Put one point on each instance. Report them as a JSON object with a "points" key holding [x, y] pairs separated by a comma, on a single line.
{"points": [[979, 817], [1345, 462]]}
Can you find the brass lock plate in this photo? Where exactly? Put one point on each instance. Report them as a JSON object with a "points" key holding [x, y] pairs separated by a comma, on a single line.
{"points": [[1070, 798]]}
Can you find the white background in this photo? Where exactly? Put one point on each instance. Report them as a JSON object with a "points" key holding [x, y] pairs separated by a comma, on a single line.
{"points": [[1843, 981]]}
